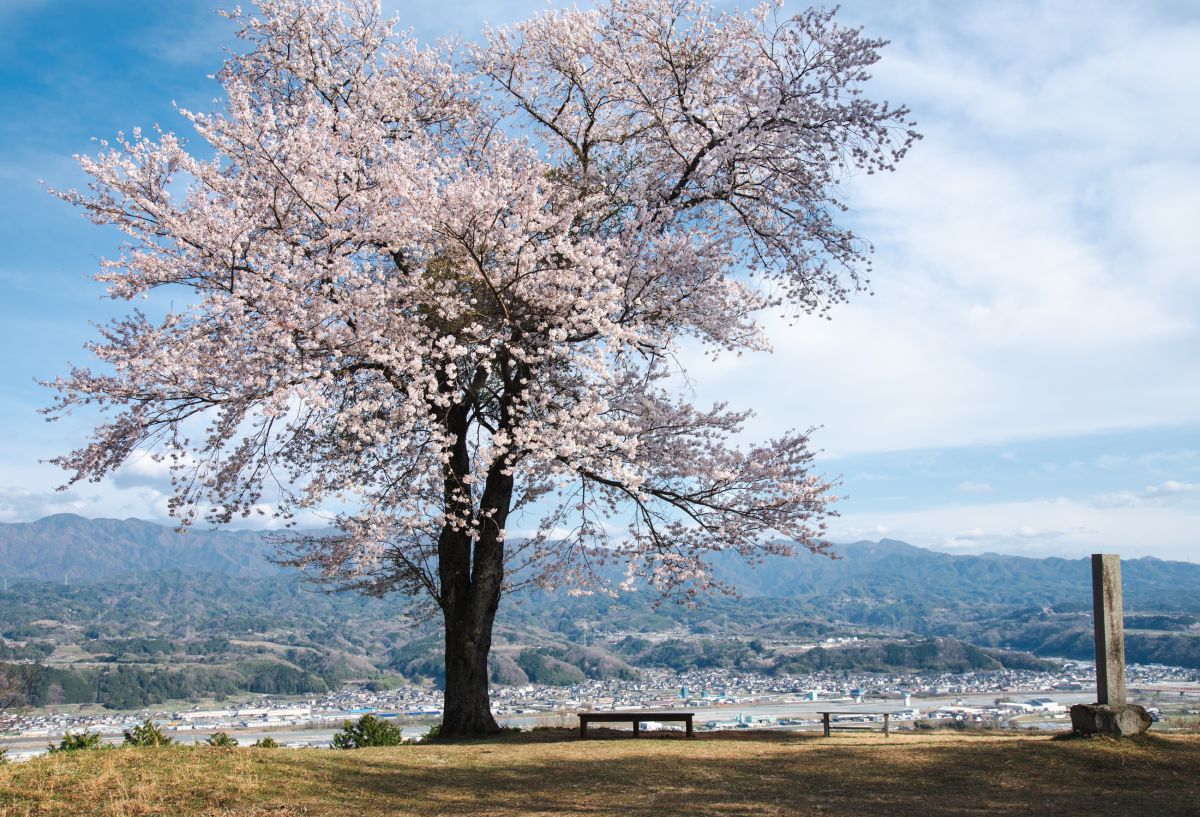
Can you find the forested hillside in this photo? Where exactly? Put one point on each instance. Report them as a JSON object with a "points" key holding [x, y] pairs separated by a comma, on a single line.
{"points": [[145, 612]]}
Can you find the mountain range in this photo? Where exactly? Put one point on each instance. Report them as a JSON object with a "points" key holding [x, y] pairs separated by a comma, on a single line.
{"points": [[72, 549], [121, 601]]}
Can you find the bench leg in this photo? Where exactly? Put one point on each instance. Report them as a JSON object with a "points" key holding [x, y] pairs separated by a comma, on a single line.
{"points": [[582, 728], [689, 727], [886, 731], [635, 728], [825, 721]]}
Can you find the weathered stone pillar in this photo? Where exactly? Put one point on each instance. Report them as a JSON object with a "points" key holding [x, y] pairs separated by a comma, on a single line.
{"points": [[1111, 714], [1109, 627]]}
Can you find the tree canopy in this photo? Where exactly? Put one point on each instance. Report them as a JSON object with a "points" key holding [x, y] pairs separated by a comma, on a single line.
{"points": [[437, 285]]}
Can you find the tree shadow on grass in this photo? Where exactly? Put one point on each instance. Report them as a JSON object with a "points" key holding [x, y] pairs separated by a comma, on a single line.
{"points": [[954, 778], [559, 734]]}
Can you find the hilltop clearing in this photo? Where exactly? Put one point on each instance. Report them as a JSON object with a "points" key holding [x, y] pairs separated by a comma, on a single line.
{"points": [[550, 772]]}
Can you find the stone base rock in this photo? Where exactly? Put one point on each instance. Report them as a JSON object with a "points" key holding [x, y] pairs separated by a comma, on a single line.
{"points": [[1116, 721]]}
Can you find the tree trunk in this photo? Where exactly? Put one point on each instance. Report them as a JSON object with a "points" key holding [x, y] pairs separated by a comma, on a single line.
{"points": [[472, 574], [467, 709], [469, 610]]}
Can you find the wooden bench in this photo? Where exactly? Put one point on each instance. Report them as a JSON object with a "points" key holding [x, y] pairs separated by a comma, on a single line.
{"points": [[828, 723], [636, 718]]}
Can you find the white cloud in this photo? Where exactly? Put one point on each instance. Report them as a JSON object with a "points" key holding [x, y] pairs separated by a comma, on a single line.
{"points": [[968, 487], [1043, 527], [867, 476], [1036, 271], [193, 35], [1172, 487], [144, 469], [23, 505], [1169, 492], [139, 489]]}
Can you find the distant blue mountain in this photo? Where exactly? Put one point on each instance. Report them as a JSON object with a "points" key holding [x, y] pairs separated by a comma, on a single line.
{"points": [[221, 582], [66, 547], [867, 574]]}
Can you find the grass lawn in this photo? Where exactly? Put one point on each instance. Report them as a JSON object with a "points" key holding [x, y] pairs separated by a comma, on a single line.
{"points": [[552, 773]]}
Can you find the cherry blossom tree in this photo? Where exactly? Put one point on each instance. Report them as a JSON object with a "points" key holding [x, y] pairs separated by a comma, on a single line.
{"points": [[436, 289]]}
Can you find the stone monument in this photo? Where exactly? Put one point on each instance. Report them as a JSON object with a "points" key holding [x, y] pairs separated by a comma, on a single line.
{"points": [[1112, 714]]}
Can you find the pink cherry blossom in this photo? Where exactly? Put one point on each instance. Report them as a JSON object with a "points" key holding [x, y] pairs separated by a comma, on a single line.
{"points": [[437, 286]]}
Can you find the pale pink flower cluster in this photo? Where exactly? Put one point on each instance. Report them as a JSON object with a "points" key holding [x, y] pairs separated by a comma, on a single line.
{"points": [[440, 285]]}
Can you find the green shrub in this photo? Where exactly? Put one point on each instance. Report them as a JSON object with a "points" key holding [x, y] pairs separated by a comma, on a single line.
{"points": [[266, 743], [146, 735], [434, 732], [76, 743], [221, 739], [3, 755], [369, 731]]}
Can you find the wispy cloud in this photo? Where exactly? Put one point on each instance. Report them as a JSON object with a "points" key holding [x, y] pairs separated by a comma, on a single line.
{"points": [[1059, 526], [23, 505], [1035, 273], [1171, 491]]}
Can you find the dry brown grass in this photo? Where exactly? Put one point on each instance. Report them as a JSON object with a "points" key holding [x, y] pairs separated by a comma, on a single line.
{"points": [[556, 720], [552, 773]]}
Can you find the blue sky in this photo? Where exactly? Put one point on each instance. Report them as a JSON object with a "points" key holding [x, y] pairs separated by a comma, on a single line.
{"points": [[1025, 378]]}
